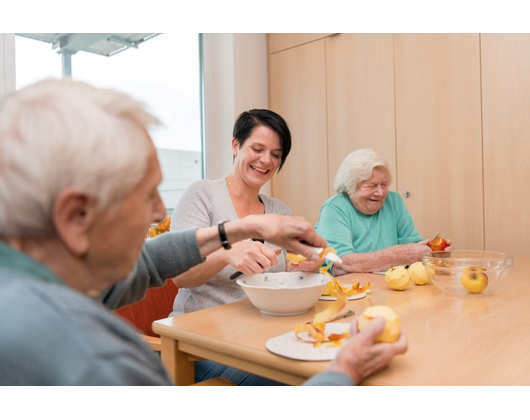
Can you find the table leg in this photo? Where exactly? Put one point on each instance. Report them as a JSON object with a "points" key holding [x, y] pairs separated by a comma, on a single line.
{"points": [[180, 368]]}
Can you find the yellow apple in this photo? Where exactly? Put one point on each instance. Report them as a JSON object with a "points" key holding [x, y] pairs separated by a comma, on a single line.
{"points": [[418, 273], [474, 279], [295, 258], [392, 327], [398, 278]]}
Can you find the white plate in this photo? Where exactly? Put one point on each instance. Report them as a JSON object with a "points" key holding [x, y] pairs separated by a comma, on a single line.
{"points": [[288, 345], [380, 272], [352, 297]]}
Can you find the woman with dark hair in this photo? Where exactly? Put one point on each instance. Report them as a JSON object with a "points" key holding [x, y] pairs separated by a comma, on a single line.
{"points": [[260, 145]]}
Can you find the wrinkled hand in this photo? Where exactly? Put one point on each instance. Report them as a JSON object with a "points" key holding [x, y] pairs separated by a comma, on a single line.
{"points": [[291, 233], [251, 257], [360, 357], [410, 253]]}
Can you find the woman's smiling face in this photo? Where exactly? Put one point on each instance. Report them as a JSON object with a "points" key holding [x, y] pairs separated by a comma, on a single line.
{"points": [[258, 159], [370, 195]]}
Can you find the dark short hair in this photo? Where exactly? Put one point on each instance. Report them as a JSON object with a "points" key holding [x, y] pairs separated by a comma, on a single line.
{"points": [[247, 121]]}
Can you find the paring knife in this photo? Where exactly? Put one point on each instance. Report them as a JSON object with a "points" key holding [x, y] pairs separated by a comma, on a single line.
{"points": [[328, 255], [238, 274]]}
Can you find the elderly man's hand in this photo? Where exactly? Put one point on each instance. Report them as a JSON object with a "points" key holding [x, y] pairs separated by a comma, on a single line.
{"points": [[360, 357]]}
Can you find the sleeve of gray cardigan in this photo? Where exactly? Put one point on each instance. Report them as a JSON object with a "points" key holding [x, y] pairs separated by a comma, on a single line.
{"points": [[330, 378], [163, 257]]}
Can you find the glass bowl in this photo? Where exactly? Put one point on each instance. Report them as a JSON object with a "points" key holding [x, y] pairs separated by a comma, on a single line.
{"points": [[285, 293], [468, 273]]}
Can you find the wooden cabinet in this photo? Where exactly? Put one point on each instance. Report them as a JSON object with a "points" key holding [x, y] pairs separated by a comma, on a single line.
{"points": [[451, 111], [506, 121], [360, 91], [298, 93], [438, 134], [278, 42]]}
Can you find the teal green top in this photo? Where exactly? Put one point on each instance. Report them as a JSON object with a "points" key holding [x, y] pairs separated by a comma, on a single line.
{"points": [[349, 231]]}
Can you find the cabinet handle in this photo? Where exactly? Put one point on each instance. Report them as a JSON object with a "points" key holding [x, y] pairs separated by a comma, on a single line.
{"points": [[406, 194]]}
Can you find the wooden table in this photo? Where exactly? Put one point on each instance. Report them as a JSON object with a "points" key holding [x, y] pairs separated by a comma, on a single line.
{"points": [[452, 340]]}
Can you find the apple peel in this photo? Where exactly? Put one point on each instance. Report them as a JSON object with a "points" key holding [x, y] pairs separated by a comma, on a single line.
{"points": [[334, 286], [298, 258], [317, 327]]}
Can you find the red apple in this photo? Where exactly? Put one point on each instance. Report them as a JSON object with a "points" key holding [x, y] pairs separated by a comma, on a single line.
{"points": [[438, 244]]}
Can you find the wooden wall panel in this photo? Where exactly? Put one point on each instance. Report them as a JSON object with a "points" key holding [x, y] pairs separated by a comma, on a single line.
{"points": [[439, 135], [360, 97], [506, 114], [298, 93]]}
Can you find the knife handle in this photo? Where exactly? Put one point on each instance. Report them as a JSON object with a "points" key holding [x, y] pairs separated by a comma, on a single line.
{"points": [[238, 274]]}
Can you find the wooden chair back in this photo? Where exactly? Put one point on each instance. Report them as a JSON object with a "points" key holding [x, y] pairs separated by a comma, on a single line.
{"points": [[157, 304]]}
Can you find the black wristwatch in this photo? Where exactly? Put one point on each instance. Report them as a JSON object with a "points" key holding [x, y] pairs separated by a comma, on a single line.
{"points": [[222, 234]]}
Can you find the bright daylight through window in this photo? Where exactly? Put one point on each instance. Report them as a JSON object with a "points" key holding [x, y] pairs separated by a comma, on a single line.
{"points": [[163, 71]]}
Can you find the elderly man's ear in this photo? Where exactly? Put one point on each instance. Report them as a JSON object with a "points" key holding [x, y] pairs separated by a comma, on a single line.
{"points": [[73, 216]]}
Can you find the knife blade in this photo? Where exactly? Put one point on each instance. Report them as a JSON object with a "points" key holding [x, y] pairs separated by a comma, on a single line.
{"points": [[328, 255]]}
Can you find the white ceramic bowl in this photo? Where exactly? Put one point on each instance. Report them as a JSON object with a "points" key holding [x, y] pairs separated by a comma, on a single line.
{"points": [[283, 293]]}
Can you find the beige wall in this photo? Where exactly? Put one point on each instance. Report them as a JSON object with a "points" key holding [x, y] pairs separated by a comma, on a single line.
{"points": [[7, 63], [235, 80]]}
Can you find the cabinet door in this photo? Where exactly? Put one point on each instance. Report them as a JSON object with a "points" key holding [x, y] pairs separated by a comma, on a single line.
{"points": [[506, 109], [298, 93], [360, 97], [438, 132], [278, 42]]}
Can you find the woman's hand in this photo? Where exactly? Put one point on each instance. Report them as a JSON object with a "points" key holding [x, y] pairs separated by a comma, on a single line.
{"points": [[251, 257], [308, 266]]}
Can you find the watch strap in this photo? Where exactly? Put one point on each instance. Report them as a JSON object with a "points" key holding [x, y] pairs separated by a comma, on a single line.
{"points": [[222, 235]]}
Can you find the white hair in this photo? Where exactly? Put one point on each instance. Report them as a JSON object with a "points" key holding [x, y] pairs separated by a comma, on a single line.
{"points": [[63, 133], [358, 167]]}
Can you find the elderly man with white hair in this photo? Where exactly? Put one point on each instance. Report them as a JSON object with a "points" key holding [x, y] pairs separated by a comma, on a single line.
{"points": [[78, 192]]}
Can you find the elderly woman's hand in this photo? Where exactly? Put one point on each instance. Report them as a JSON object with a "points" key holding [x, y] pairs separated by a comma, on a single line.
{"points": [[449, 246], [410, 253]]}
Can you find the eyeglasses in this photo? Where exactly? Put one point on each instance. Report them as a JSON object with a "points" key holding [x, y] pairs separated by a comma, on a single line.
{"points": [[371, 186]]}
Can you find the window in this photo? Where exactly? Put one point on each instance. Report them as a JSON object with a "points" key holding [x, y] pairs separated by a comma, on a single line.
{"points": [[163, 71]]}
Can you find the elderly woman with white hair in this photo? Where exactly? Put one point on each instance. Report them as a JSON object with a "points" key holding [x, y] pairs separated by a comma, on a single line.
{"points": [[368, 225]]}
